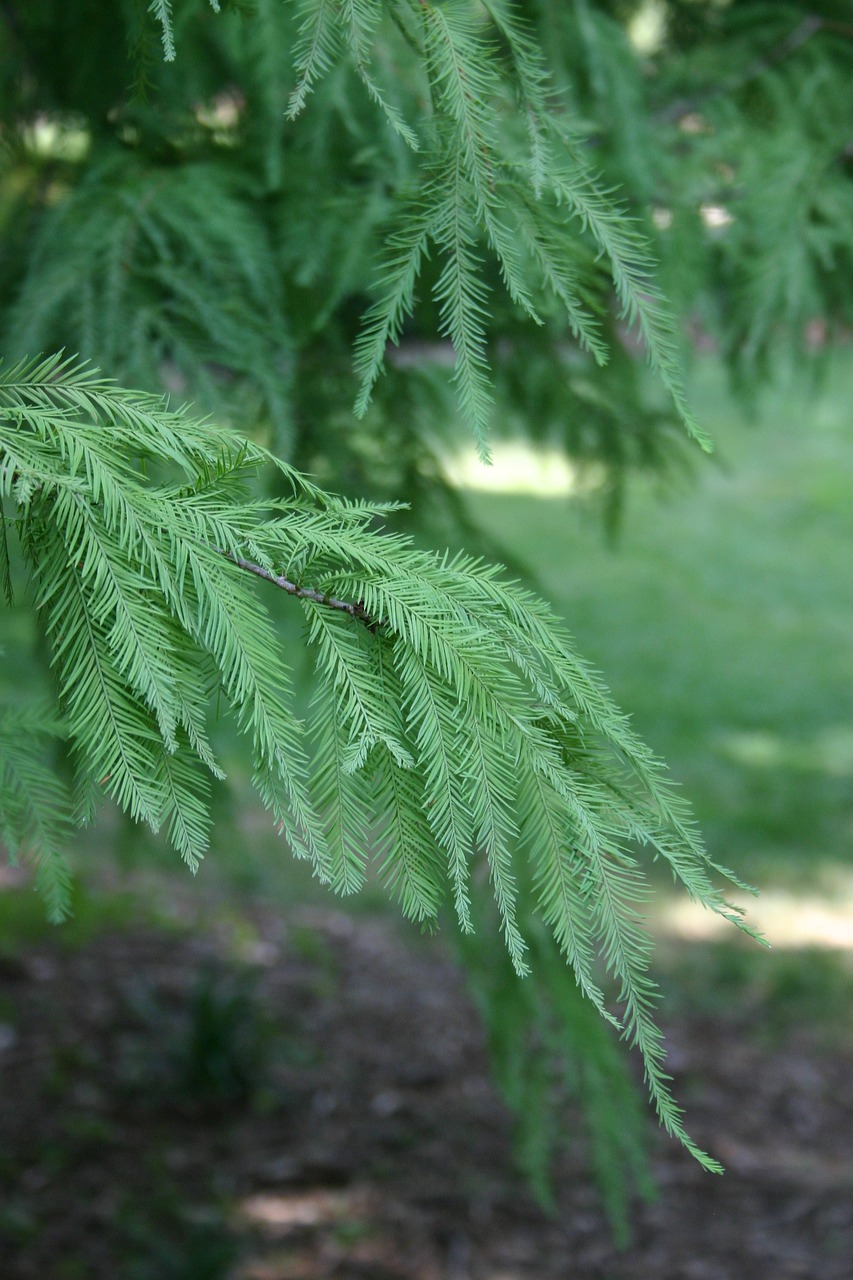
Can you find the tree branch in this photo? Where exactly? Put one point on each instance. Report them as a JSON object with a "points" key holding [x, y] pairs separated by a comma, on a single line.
{"points": [[354, 608]]}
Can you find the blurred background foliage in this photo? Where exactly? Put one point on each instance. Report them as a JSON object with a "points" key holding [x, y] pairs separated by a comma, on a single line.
{"points": [[167, 222]]}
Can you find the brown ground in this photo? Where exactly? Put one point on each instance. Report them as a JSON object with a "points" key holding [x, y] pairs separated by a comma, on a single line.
{"points": [[374, 1146]]}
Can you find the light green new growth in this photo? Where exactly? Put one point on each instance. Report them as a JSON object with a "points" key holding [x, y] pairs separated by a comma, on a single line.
{"points": [[453, 723]]}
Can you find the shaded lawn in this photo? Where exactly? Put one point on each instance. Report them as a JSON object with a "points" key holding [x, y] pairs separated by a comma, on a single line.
{"points": [[723, 618]]}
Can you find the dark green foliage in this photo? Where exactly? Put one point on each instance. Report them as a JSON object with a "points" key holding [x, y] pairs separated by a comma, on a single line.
{"points": [[214, 189], [211, 194], [168, 274]]}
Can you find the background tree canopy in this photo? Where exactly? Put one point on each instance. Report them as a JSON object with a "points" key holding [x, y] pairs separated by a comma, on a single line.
{"points": [[349, 231]]}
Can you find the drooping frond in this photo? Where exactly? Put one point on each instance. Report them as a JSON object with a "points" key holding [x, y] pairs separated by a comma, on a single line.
{"points": [[462, 299], [359, 19], [339, 793], [384, 321], [466, 84], [548, 1049], [432, 714], [532, 78], [454, 724], [628, 258], [315, 51]]}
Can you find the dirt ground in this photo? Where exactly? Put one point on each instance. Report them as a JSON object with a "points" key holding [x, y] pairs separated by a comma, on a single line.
{"points": [[326, 1112]]}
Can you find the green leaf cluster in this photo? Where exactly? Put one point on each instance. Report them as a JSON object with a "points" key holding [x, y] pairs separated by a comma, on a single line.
{"points": [[453, 725]]}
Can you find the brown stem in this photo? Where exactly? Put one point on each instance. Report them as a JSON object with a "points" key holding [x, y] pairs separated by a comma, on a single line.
{"points": [[354, 608]]}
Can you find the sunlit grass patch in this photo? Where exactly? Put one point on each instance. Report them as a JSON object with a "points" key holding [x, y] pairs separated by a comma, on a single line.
{"points": [[787, 919], [519, 466]]}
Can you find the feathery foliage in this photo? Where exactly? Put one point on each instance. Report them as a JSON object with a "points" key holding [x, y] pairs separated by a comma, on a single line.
{"points": [[453, 722], [140, 262], [485, 185], [275, 190]]}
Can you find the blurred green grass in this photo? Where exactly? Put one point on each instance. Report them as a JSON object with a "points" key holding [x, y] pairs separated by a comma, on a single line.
{"points": [[722, 619]]}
